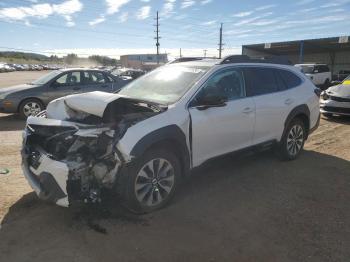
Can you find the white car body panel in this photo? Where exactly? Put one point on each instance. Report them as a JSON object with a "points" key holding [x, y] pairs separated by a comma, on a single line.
{"points": [[340, 91], [220, 130]]}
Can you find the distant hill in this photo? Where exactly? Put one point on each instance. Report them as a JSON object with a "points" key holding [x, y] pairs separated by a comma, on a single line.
{"points": [[22, 55]]}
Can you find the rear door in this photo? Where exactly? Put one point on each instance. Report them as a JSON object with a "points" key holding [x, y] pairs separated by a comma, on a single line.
{"points": [[96, 81], [66, 84], [272, 103]]}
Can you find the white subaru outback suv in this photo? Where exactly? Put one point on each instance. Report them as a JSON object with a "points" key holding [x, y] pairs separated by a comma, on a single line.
{"points": [[142, 141]]}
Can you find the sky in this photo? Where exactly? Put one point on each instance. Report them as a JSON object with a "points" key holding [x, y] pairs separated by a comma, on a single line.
{"points": [[116, 27]]}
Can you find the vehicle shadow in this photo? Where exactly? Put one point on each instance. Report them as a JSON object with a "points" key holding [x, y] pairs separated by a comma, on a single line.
{"points": [[234, 207], [338, 119], [11, 122]]}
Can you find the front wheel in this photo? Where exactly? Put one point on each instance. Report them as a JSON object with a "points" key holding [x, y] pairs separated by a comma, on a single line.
{"points": [[152, 181], [293, 140], [30, 107]]}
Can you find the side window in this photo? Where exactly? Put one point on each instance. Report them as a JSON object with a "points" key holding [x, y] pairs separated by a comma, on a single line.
{"points": [[260, 81], [70, 78], [326, 69], [317, 69], [73, 78], [228, 83], [290, 79], [98, 78], [109, 78], [62, 80]]}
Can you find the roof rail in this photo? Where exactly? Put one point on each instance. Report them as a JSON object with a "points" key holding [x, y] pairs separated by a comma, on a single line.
{"points": [[188, 59], [282, 60]]}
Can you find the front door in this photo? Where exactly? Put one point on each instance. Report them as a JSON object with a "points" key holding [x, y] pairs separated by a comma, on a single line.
{"points": [[220, 130], [65, 84]]}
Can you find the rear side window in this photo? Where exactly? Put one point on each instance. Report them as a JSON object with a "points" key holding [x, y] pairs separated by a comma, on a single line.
{"points": [[289, 79], [260, 81]]}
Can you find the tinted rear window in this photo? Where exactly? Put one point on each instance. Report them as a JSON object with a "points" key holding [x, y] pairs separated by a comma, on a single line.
{"points": [[260, 81], [290, 79]]}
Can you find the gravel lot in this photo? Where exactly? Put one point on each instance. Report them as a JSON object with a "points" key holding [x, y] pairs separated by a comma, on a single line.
{"points": [[236, 208]]}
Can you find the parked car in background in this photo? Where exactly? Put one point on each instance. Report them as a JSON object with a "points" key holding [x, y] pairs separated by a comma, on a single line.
{"points": [[319, 74], [129, 72], [342, 74], [336, 99], [30, 99], [142, 141]]}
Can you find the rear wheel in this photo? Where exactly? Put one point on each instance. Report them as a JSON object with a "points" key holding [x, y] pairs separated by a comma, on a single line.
{"points": [[293, 140], [30, 107], [152, 181]]}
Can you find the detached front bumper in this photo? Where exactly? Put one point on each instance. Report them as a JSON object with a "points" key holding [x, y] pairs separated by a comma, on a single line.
{"points": [[334, 107], [47, 177]]}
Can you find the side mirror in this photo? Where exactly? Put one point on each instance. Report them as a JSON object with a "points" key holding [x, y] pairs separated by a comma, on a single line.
{"points": [[208, 101], [316, 71]]}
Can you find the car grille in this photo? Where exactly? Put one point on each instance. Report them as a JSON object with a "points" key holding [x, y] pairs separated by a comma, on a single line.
{"points": [[340, 99], [337, 109]]}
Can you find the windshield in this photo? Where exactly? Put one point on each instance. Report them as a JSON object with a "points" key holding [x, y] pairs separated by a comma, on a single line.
{"points": [[46, 78], [165, 85], [307, 69]]}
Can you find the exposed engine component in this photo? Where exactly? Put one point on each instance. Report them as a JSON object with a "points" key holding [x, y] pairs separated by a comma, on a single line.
{"points": [[89, 152]]}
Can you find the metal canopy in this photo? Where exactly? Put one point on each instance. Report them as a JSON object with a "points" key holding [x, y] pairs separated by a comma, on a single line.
{"points": [[321, 45]]}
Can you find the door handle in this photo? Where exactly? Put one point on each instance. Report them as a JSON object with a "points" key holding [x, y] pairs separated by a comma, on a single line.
{"points": [[76, 88], [247, 110], [288, 101]]}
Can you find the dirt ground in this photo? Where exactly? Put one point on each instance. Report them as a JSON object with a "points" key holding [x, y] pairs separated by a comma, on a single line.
{"points": [[237, 208]]}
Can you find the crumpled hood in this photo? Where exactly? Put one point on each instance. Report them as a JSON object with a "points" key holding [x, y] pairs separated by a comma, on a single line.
{"points": [[16, 88], [93, 103], [339, 91]]}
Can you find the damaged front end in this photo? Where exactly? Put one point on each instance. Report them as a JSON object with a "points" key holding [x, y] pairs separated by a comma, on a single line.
{"points": [[70, 153]]}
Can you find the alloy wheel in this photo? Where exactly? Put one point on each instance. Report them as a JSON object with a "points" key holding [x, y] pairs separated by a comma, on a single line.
{"points": [[295, 140], [154, 182], [31, 108]]}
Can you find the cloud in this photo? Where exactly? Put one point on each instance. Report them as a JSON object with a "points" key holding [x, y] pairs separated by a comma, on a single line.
{"points": [[143, 12], [168, 8], [204, 2], [243, 14], [113, 6], [252, 19], [187, 3], [123, 17], [42, 11], [97, 21], [212, 22], [305, 2], [264, 7]]}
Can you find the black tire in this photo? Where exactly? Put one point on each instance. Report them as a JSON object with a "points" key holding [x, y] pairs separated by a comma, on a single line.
{"points": [[328, 115], [285, 148], [131, 194], [23, 108]]}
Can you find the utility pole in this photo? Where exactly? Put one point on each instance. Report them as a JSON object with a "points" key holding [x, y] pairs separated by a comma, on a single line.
{"points": [[180, 53], [157, 36], [205, 53], [220, 42]]}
